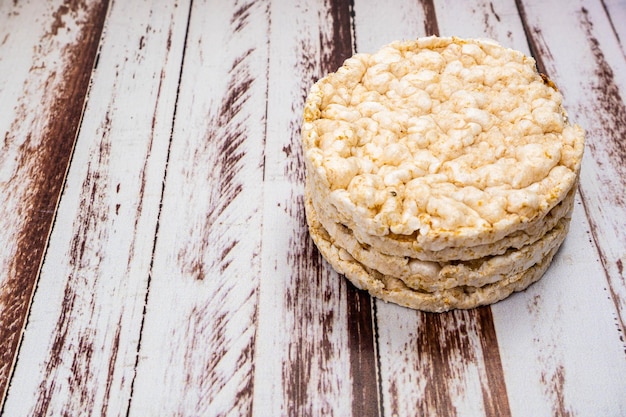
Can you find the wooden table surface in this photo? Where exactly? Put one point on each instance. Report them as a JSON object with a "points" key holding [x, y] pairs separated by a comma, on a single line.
{"points": [[154, 258]]}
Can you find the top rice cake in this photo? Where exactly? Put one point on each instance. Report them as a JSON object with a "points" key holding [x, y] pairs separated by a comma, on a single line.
{"points": [[455, 142]]}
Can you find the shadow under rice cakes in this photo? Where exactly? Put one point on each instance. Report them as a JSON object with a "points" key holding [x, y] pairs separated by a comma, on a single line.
{"points": [[440, 172]]}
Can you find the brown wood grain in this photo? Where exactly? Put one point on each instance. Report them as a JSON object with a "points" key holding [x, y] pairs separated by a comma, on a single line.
{"points": [[311, 349], [431, 25], [43, 160], [363, 354], [336, 46], [451, 364], [494, 391]]}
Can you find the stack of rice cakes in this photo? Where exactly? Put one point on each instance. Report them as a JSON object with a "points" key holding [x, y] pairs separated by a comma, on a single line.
{"points": [[440, 172]]}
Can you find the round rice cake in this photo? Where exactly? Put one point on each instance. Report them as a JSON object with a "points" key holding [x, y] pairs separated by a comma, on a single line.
{"points": [[450, 142], [395, 290], [407, 246], [435, 276]]}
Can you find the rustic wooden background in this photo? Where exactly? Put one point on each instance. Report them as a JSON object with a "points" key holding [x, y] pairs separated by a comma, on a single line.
{"points": [[154, 258]]}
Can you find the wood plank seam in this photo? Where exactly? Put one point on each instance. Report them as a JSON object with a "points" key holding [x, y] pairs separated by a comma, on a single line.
{"points": [[156, 231], [379, 380], [532, 46], [613, 28], [603, 260]]}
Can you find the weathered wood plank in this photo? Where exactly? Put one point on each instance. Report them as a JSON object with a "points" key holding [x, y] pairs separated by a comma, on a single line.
{"points": [[441, 364], [594, 95], [559, 343], [198, 358], [402, 20], [47, 53], [381, 22], [315, 351], [81, 342], [483, 19]]}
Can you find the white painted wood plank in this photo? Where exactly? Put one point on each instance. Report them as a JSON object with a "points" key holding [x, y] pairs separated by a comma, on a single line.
{"points": [[17, 57], [482, 19], [47, 52], [559, 343], [302, 356], [378, 23], [197, 346], [81, 343]]}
